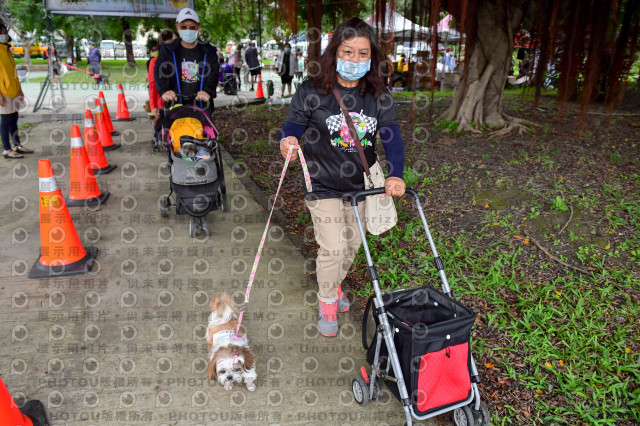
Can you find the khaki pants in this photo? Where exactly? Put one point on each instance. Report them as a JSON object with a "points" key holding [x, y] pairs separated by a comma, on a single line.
{"points": [[336, 232]]}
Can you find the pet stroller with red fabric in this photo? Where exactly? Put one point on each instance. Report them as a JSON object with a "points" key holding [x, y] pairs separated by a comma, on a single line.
{"points": [[421, 347], [197, 172]]}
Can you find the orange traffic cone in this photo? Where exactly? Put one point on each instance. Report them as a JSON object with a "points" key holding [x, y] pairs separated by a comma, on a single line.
{"points": [[61, 252], [259, 92], [122, 112], [9, 411], [84, 187], [107, 116], [103, 131], [93, 147]]}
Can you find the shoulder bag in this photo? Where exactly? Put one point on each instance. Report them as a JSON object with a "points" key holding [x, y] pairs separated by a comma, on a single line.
{"points": [[380, 213]]}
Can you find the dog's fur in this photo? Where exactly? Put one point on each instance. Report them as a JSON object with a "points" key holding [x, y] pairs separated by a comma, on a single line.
{"points": [[230, 359], [101, 78], [188, 150]]}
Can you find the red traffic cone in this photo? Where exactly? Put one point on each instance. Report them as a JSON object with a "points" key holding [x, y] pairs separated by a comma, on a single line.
{"points": [[61, 252], [122, 112], [103, 131], [84, 187], [107, 116], [92, 145], [259, 92]]}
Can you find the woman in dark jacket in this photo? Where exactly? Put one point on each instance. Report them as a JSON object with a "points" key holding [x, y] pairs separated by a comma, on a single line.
{"points": [[350, 64]]}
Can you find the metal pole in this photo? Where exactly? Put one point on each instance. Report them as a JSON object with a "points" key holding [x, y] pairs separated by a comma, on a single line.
{"points": [[259, 25]]}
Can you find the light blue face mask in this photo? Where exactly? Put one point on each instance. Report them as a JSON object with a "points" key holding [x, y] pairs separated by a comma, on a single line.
{"points": [[352, 71], [189, 36], [287, 50]]}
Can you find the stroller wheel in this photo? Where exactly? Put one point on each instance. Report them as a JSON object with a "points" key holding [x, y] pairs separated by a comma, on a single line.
{"points": [[224, 206], [206, 227], [193, 226], [463, 417], [376, 391], [481, 417], [197, 225], [163, 205], [360, 391]]}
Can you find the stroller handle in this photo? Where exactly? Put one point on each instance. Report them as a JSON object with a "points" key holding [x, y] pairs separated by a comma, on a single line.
{"points": [[357, 196], [186, 99]]}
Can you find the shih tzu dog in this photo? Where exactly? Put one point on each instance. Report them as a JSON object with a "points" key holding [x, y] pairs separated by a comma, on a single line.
{"points": [[230, 359]]}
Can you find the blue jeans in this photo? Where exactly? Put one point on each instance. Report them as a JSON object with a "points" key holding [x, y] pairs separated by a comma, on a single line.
{"points": [[95, 67], [8, 129]]}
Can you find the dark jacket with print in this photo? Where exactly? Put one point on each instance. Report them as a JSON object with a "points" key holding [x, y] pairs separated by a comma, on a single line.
{"points": [[167, 69]]}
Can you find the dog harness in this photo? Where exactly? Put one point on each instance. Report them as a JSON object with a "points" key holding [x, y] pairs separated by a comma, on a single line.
{"points": [[225, 338]]}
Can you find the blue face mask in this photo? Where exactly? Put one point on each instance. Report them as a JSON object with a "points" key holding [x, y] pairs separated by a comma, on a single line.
{"points": [[287, 49], [189, 36], [352, 71]]}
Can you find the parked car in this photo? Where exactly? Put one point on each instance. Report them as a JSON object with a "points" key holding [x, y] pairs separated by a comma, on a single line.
{"points": [[270, 51], [121, 51], [139, 51], [108, 48]]}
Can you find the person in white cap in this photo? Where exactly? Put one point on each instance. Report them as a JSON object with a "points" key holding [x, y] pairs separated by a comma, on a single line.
{"points": [[187, 66]]}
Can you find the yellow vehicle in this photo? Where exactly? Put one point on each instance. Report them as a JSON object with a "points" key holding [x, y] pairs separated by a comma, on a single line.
{"points": [[36, 49]]}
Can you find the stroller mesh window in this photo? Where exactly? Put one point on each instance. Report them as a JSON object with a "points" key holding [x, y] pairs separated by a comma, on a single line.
{"points": [[432, 340]]}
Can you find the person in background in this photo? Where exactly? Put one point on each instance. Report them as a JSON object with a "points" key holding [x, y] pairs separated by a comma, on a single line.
{"points": [[351, 65], [299, 73], [287, 67], [187, 66], [253, 62], [245, 69], [155, 101], [95, 57], [55, 63], [10, 97], [236, 61], [447, 60]]}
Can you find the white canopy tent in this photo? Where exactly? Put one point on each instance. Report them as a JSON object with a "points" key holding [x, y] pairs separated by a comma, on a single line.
{"points": [[403, 29], [399, 26]]}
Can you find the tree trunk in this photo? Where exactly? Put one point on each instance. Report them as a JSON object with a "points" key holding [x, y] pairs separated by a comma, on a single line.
{"points": [[479, 98], [128, 42], [314, 35], [78, 52], [26, 43], [70, 41]]}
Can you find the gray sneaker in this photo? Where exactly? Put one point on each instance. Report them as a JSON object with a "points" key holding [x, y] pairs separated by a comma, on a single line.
{"points": [[327, 319], [343, 301]]}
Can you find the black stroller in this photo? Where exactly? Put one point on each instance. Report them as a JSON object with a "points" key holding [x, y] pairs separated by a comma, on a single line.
{"points": [[230, 84], [197, 173], [426, 359]]}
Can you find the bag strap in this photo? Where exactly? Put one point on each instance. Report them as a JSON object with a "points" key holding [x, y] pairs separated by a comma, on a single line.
{"points": [[364, 323], [354, 134]]}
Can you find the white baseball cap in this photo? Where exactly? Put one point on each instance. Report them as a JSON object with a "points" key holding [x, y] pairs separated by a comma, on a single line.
{"points": [[187, 13]]}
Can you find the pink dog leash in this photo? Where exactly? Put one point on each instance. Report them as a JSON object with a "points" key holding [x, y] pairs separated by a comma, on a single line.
{"points": [[307, 180]]}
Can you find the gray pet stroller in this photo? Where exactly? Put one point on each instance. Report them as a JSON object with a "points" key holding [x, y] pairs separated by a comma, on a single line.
{"points": [[421, 348], [197, 181]]}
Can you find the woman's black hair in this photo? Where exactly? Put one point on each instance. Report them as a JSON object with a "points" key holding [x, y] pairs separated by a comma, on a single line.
{"points": [[372, 81]]}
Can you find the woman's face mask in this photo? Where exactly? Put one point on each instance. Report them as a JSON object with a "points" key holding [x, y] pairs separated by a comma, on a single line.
{"points": [[189, 36], [352, 71], [287, 50], [5, 39]]}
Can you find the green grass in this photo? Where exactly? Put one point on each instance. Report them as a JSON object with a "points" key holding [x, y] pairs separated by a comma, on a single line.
{"points": [[117, 69], [34, 61], [570, 336]]}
